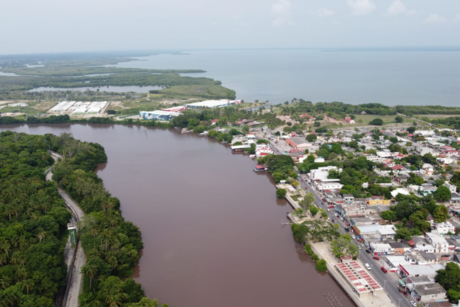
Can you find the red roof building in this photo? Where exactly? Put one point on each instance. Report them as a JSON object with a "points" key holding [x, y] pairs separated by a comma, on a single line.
{"points": [[398, 167]]}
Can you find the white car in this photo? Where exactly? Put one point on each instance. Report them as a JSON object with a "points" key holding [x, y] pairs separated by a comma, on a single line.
{"points": [[413, 303], [368, 267]]}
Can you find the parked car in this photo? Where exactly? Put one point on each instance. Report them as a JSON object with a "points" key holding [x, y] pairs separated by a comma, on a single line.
{"points": [[376, 258], [368, 251], [368, 267], [353, 236], [333, 221], [328, 210], [384, 270], [331, 207], [413, 303]]}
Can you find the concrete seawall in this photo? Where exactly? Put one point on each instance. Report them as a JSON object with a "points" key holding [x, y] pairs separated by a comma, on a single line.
{"points": [[339, 280]]}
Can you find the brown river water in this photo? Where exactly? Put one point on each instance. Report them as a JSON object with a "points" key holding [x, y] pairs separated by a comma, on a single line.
{"points": [[212, 228]]}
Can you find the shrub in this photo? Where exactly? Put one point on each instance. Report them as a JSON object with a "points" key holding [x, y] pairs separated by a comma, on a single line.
{"points": [[376, 122], [321, 265], [281, 193], [315, 257]]}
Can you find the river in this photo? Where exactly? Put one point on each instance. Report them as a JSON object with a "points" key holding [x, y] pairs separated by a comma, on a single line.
{"points": [[211, 227]]}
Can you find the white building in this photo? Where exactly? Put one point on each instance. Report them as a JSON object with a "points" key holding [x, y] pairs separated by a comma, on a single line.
{"points": [[451, 187], [329, 184], [211, 104], [322, 173], [445, 228], [381, 249], [403, 191], [439, 243], [62, 106]]}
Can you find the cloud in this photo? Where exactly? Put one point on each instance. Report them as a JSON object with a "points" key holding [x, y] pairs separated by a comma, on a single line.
{"points": [[361, 7], [435, 18], [457, 18], [281, 10], [324, 12], [412, 12], [396, 8]]}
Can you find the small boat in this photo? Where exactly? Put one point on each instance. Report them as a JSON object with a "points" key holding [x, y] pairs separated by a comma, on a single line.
{"points": [[252, 156]]}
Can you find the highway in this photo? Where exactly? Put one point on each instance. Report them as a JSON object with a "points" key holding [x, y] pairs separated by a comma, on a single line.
{"points": [[389, 284]]}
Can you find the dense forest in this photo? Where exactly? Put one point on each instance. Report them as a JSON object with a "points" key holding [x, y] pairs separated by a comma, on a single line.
{"points": [[413, 110], [453, 122], [33, 221]]}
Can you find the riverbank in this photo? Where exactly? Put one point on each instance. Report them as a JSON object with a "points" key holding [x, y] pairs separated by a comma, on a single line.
{"points": [[242, 253]]}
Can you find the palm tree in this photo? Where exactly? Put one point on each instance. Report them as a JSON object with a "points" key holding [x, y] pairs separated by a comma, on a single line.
{"points": [[41, 235], [89, 270], [5, 246], [28, 284]]}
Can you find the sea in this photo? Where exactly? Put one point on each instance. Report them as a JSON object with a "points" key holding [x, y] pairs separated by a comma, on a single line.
{"points": [[392, 76]]}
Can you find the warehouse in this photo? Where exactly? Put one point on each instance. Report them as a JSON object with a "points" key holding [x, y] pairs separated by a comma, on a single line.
{"points": [[210, 104], [62, 106], [158, 115]]}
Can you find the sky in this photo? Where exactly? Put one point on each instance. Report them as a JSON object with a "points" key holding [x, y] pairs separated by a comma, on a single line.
{"points": [[45, 26]]}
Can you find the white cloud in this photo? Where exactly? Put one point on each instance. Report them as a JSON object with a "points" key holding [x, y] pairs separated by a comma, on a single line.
{"points": [[281, 10], [412, 12], [435, 18], [324, 12], [457, 18], [396, 8], [361, 7]]}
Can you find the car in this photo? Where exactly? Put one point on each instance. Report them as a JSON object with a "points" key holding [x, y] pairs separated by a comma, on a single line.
{"points": [[333, 221], [331, 207], [413, 303], [353, 236], [384, 270], [306, 188], [328, 210], [368, 251], [368, 267], [376, 258], [347, 229], [359, 247]]}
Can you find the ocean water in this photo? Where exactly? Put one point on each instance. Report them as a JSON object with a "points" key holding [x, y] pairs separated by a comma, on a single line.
{"points": [[392, 77]]}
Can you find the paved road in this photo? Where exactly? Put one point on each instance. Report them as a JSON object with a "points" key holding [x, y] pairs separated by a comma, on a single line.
{"points": [[383, 279], [75, 280]]}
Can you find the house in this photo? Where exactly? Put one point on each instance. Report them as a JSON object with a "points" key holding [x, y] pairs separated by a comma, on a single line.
{"points": [[422, 245], [455, 198], [429, 258], [329, 184], [439, 243], [403, 191], [444, 228], [399, 248], [348, 197], [427, 293], [428, 169], [430, 270], [378, 200], [451, 187], [349, 120], [379, 249], [297, 143]]}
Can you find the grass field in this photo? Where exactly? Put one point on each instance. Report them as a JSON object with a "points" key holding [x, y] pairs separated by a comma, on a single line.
{"points": [[387, 119]]}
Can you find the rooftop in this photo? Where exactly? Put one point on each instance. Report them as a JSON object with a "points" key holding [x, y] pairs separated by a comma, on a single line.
{"points": [[358, 277], [430, 289]]}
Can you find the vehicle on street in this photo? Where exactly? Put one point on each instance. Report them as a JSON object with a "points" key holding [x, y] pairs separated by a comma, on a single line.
{"points": [[376, 258], [368, 251], [333, 221], [368, 267], [359, 247], [384, 270], [328, 210], [353, 236], [330, 206], [347, 229], [413, 303]]}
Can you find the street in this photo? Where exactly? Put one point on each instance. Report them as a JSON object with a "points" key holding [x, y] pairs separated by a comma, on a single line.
{"points": [[389, 284]]}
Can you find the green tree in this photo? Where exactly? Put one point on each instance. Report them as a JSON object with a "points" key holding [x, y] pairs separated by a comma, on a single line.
{"points": [[440, 214], [307, 201], [376, 122], [314, 210], [321, 265], [403, 233], [281, 193], [317, 124], [399, 119], [442, 194], [411, 129], [311, 137], [245, 129]]}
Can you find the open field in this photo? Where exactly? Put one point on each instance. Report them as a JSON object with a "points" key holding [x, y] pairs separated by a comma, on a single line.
{"points": [[387, 119]]}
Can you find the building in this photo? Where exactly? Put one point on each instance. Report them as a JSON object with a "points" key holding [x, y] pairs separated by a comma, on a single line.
{"points": [[297, 143], [348, 197], [451, 187], [399, 248], [427, 293], [378, 200], [379, 249], [158, 115], [329, 185], [62, 106], [419, 270], [439, 243], [322, 173], [358, 278], [210, 104], [444, 228]]}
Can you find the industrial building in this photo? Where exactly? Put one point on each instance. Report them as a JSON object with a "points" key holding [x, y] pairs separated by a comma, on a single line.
{"points": [[79, 107], [62, 106], [211, 104], [158, 115]]}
